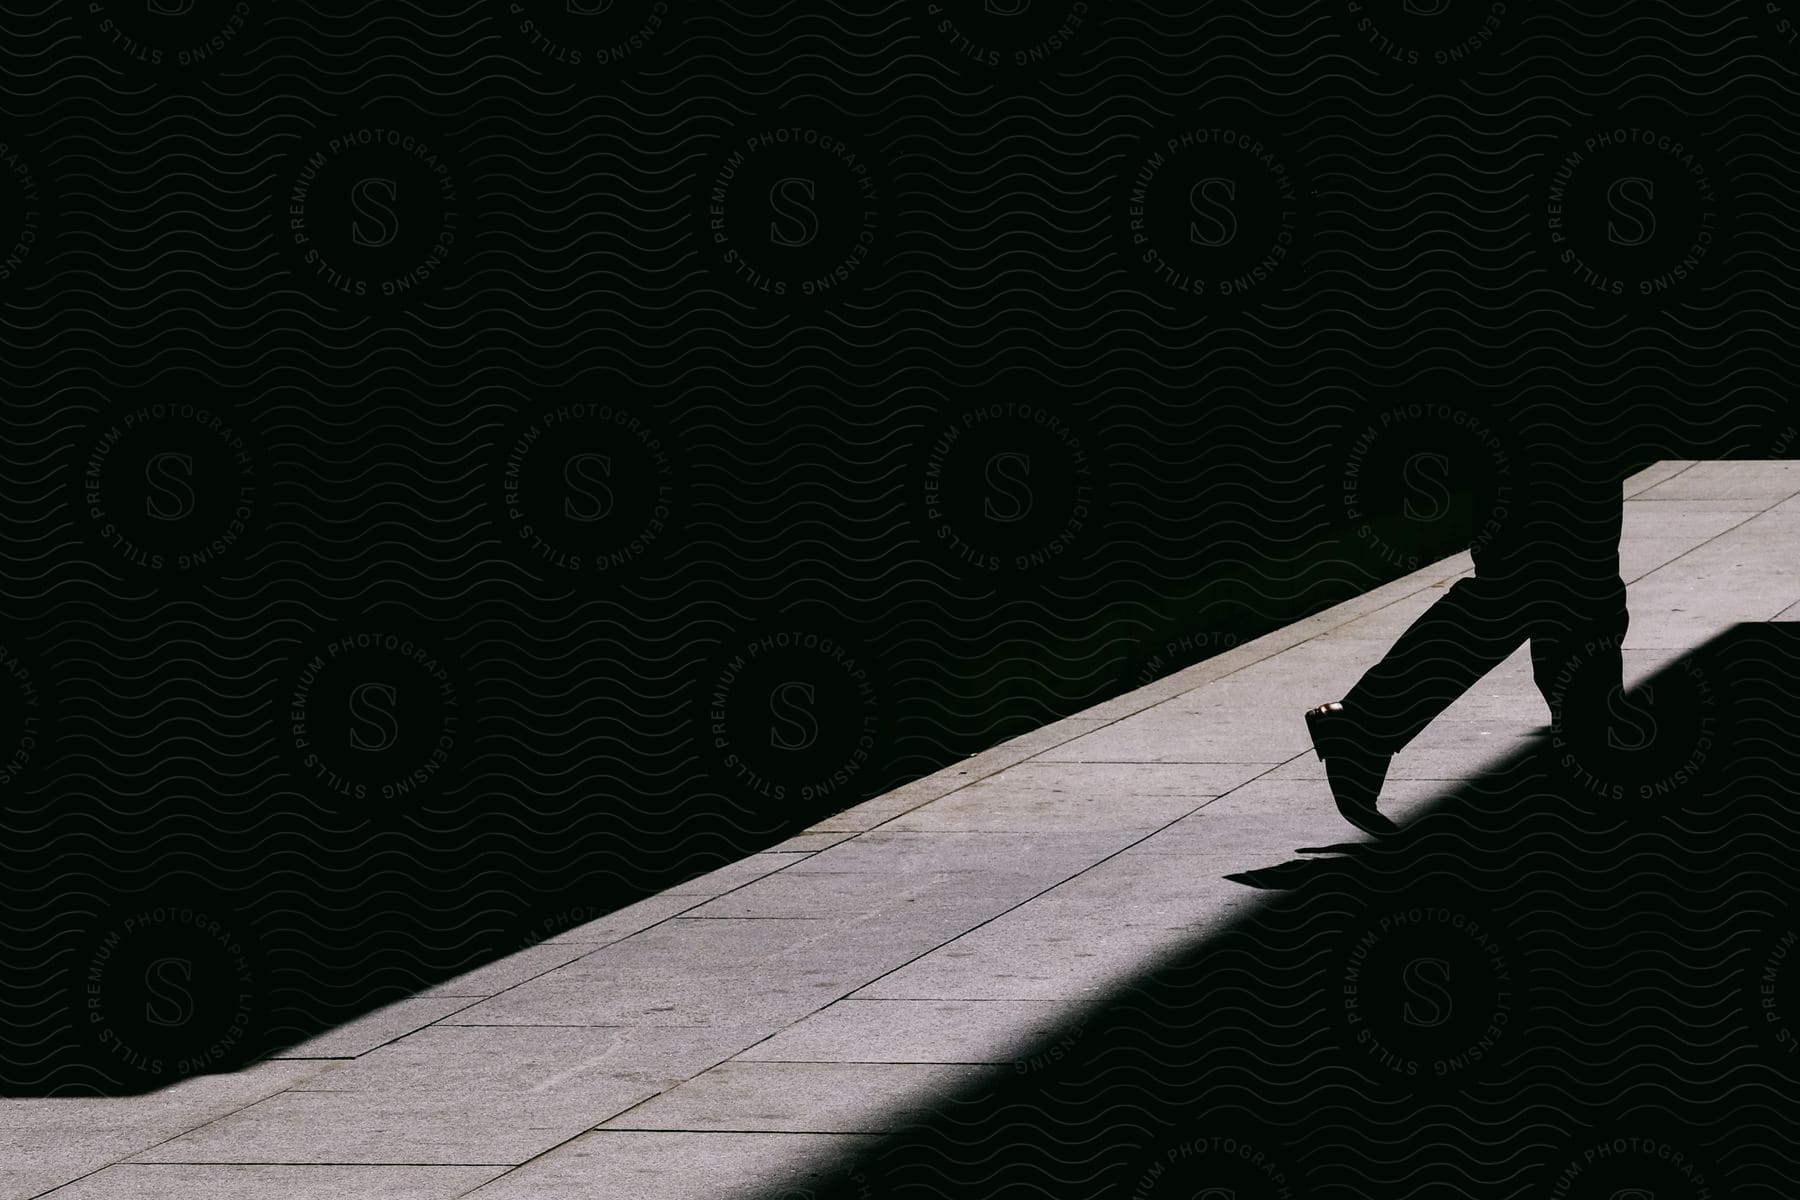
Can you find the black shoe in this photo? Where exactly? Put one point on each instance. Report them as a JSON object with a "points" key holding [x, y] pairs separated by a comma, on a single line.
{"points": [[1354, 770]]}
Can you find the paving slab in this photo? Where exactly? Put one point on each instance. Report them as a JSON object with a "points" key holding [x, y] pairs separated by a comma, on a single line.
{"points": [[1292, 809], [614, 1164], [1205, 733], [804, 1097], [1654, 474], [1053, 796], [1744, 574], [735, 875], [1649, 521], [388, 1023], [516, 968], [752, 1028], [193, 1181], [541, 1061], [1057, 949], [780, 970], [435, 1128], [978, 894], [914, 1031], [581, 926], [1044, 855], [813, 841], [885, 807], [53, 1141], [1770, 480]]}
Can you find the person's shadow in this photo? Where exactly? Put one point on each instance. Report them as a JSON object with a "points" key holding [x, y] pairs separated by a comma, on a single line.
{"points": [[1576, 975]]}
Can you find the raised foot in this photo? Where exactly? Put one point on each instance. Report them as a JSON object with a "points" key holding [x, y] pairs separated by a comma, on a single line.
{"points": [[1354, 770]]}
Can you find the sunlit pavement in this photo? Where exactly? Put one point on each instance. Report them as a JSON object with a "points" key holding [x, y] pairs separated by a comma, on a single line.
{"points": [[752, 1029]]}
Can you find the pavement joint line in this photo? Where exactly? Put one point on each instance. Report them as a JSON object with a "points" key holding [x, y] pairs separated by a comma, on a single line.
{"points": [[881, 1062], [276, 1162], [1658, 483], [126, 1158], [1063, 762], [735, 1053], [761, 1132], [937, 1000], [595, 1128], [758, 1132], [1144, 762], [595, 948], [72, 1182], [1715, 537], [279, 1057], [846, 999]]}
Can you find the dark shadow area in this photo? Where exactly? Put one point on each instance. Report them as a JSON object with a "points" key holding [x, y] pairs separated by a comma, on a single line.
{"points": [[226, 856], [421, 538], [407, 798], [1577, 975]]}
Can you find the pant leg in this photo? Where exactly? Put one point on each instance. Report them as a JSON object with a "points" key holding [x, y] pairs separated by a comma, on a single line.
{"points": [[1472, 628], [1582, 653], [1576, 640], [1551, 575]]}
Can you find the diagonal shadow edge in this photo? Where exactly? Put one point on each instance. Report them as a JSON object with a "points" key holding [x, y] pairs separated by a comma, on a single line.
{"points": [[1090, 1107], [543, 913], [55, 943]]}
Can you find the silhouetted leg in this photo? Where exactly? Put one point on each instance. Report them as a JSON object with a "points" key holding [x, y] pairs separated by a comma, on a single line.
{"points": [[1576, 642], [1470, 630], [1581, 662], [1553, 577]]}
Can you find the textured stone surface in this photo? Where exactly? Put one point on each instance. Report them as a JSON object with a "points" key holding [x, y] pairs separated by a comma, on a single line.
{"points": [[748, 1029]]}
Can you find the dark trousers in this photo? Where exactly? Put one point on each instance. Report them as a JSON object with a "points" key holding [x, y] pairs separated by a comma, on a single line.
{"points": [[1548, 571]]}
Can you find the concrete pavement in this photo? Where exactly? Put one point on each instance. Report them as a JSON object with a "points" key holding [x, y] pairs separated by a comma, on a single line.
{"points": [[755, 1028]]}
